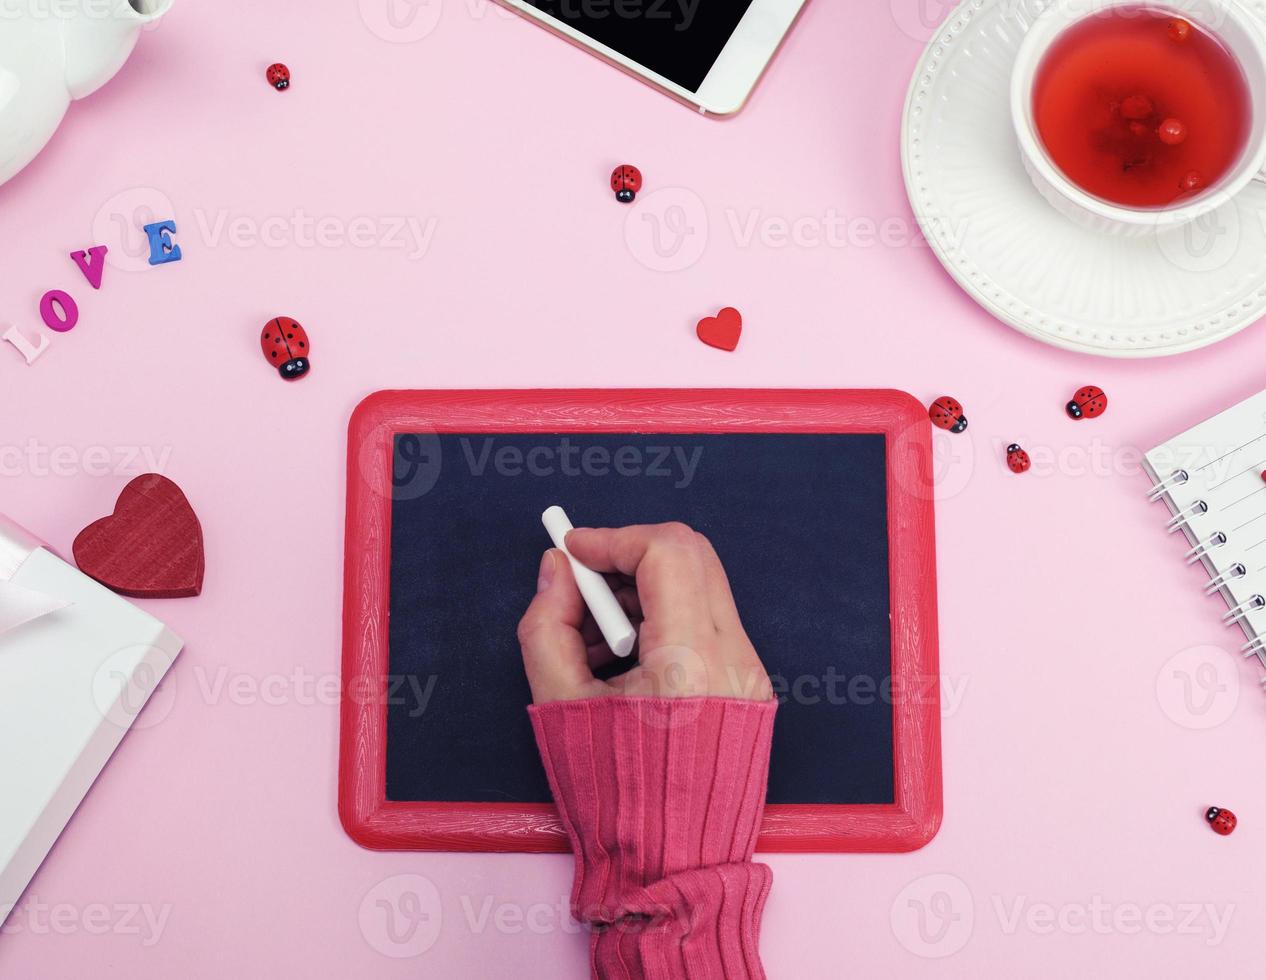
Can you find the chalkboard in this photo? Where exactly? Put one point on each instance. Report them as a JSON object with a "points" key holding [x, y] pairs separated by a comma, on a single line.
{"points": [[800, 519]]}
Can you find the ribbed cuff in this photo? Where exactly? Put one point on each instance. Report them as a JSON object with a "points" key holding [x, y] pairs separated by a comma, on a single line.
{"points": [[703, 924], [648, 788]]}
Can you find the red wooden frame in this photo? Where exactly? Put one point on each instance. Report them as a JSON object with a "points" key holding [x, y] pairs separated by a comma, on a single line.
{"points": [[375, 822]]}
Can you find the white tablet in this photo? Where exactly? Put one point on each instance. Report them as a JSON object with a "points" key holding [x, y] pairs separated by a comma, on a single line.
{"points": [[708, 53]]}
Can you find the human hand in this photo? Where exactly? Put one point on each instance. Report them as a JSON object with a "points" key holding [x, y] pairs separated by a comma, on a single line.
{"points": [[669, 580]]}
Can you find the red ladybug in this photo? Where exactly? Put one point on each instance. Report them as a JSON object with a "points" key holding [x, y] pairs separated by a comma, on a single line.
{"points": [[946, 413], [285, 344], [278, 76], [1017, 458], [626, 181], [1087, 403], [1222, 821]]}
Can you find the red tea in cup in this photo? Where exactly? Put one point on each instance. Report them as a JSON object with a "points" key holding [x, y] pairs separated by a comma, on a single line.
{"points": [[1141, 107]]}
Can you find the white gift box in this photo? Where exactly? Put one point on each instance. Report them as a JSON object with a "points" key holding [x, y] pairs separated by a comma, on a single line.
{"points": [[72, 681]]}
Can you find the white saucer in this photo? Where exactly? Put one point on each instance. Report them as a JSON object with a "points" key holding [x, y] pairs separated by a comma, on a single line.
{"points": [[1031, 267]]}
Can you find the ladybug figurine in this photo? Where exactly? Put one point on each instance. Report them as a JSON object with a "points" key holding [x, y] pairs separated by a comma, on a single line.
{"points": [[626, 181], [285, 344], [1222, 821], [278, 76], [1017, 459], [1087, 403], [946, 413]]}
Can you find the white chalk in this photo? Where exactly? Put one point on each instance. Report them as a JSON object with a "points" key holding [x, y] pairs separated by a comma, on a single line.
{"points": [[605, 607]]}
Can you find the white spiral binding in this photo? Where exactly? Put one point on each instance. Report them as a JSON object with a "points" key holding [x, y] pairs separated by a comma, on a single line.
{"points": [[1236, 613], [1235, 571], [1180, 519], [1256, 647], [1214, 540], [1175, 479]]}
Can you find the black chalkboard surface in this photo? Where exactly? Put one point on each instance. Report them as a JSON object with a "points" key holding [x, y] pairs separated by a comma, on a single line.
{"points": [[799, 520]]}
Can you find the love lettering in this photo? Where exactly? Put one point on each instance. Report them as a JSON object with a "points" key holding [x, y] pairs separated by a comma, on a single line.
{"points": [[58, 308]]}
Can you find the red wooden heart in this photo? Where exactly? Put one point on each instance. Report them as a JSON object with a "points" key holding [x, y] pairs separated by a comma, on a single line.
{"points": [[721, 330], [150, 547]]}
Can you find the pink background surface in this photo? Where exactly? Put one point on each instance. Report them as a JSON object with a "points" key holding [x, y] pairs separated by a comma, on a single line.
{"points": [[1094, 707]]}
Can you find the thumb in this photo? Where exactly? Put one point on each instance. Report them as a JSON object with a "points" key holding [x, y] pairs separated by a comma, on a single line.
{"points": [[554, 654]]}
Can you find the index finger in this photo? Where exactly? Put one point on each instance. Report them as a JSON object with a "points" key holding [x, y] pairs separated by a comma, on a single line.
{"points": [[554, 655], [668, 565]]}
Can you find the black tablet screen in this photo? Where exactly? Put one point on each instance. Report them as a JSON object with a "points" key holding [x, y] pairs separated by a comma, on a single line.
{"points": [[679, 39]]}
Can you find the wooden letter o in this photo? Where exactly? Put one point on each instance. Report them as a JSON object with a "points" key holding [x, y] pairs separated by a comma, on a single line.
{"points": [[69, 311]]}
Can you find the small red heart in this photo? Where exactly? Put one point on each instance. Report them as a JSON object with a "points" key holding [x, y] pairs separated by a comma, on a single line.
{"points": [[722, 330], [150, 547]]}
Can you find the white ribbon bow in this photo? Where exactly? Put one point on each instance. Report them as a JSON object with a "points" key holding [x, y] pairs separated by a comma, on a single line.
{"points": [[19, 605]]}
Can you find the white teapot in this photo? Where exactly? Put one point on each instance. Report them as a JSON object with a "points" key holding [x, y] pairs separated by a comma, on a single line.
{"points": [[52, 51]]}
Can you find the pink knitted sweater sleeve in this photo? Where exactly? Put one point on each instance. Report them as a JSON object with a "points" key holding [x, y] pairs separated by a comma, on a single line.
{"points": [[662, 800]]}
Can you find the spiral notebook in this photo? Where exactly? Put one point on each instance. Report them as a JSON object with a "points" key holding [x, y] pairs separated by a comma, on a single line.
{"points": [[1212, 479]]}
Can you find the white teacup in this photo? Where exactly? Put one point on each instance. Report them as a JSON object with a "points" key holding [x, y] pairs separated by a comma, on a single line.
{"points": [[1244, 35]]}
